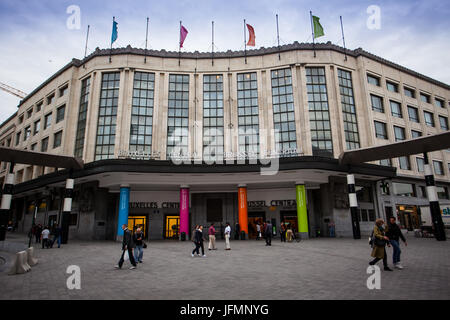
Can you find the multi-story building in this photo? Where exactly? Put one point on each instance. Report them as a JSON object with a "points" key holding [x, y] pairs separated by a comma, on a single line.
{"points": [[155, 128]]}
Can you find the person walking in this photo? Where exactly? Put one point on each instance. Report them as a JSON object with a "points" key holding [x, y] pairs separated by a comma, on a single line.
{"points": [[56, 235], [379, 241], [258, 231], [198, 240], [289, 233], [45, 235], [268, 233], [38, 232], [332, 228], [127, 246], [138, 239], [283, 232], [227, 237], [237, 231], [212, 237], [394, 234]]}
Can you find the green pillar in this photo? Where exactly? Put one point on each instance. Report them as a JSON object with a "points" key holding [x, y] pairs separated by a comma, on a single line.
{"points": [[302, 213]]}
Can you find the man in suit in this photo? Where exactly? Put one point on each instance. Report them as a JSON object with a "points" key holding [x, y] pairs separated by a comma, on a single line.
{"points": [[268, 233], [127, 245]]}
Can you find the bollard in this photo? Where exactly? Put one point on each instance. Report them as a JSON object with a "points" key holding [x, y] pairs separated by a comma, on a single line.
{"points": [[32, 261], [20, 264]]}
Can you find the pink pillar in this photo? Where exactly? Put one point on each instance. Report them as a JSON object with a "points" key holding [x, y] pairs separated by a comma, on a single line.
{"points": [[184, 210]]}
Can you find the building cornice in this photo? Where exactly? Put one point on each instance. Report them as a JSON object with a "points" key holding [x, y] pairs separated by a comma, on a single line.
{"points": [[233, 54]]}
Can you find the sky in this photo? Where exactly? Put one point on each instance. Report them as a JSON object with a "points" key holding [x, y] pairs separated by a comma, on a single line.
{"points": [[36, 40]]}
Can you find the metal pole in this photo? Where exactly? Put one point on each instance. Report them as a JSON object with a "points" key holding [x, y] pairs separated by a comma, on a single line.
{"points": [[179, 48], [33, 222], [343, 38], [435, 210], [312, 30], [245, 43], [87, 38], [146, 41], [353, 206], [212, 51], [110, 50], [278, 39]]}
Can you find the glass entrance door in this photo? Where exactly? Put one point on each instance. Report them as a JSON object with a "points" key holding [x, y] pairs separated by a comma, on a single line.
{"points": [[135, 222], [253, 219], [172, 227]]}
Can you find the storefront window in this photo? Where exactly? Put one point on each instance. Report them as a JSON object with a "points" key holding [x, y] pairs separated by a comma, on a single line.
{"points": [[409, 217], [403, 189]]}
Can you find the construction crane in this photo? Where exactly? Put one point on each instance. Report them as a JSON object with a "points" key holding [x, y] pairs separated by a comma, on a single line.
{"points": [[13, 91]]}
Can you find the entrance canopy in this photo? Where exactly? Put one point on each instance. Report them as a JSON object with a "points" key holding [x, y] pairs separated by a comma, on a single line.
{"points": [[39, 159], [393, 150]]}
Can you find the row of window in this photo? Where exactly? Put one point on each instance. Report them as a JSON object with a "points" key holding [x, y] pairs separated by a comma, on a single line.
{"points": [[50, 99], [409, 92], [412, 190], [57, 140], [28, 131], [413, 112], [399, 132], [405, 164]]}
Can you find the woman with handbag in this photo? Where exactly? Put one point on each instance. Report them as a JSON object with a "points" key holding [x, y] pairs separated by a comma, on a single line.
{"points": [[379, 242], [138, 238]]}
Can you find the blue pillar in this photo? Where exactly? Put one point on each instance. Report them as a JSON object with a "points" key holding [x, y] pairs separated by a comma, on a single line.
{"points": [[124, 203]]}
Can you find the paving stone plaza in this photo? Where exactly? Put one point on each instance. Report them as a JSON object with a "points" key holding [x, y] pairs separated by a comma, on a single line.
{"points": [[311, 269]]}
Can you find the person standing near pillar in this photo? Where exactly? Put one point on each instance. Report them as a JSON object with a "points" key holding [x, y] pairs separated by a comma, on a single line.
{"points": [[212, 237], [127, 246], [268, 233], [227, 237]]}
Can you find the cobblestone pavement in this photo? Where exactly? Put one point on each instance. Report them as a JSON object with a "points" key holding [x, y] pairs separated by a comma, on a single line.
{"points": [[311, 269]]}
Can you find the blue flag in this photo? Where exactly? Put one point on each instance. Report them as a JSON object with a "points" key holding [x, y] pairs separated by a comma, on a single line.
{"points": [[114, 32]]}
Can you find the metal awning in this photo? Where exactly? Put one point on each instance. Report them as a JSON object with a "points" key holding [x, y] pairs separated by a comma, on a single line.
{"points": [[39, 159], [393, 150]]}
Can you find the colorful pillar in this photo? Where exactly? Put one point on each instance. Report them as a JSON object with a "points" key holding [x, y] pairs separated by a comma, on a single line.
{"points": [[435, 210], [243, 211], [6, 202], [353, 206], [124, 203], [302, 212], [67, 209], [184, 213]]}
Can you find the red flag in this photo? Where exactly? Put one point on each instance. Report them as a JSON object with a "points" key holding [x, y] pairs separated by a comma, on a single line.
{"points": [[251, 39], [183, 35]]}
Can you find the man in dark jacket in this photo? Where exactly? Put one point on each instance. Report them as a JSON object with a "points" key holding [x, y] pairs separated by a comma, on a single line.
{"points": [[394, 234], [198, 240], [56, 236], [127, 245], [268, 233]]}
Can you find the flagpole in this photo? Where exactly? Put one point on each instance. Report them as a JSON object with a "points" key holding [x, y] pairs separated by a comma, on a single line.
{"points": [[179, 48], [146, 41], [110, 50], [87, 38], [278, 39], [312, 29], [212, 45], [245, 44], [343, 38]]}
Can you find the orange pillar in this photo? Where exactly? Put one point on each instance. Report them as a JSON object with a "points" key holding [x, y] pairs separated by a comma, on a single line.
{"points": [[243, 210]]}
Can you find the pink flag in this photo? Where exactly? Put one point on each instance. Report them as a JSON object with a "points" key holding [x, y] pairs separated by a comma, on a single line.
{"points": [[183, 35]]}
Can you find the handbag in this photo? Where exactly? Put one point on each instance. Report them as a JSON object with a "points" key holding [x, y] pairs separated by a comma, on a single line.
{"points": [[379, 242], [126, 257]]}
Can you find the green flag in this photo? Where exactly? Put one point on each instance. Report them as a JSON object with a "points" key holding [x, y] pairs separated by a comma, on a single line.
{"points": [[318, 29]]}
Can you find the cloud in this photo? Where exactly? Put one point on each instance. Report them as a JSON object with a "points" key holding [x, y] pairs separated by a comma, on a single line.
{"points": [[37, 43]]}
